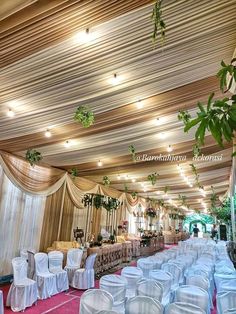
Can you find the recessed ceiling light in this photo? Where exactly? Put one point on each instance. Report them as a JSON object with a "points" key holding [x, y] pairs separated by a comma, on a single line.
{"points": [[169, 148], [48, 133], [115, 79], [139, 104], [84, 37], [67, 144], [100, 163], [162, 135], [10, 113], [118, 177], [126, 177], [133, 180]]}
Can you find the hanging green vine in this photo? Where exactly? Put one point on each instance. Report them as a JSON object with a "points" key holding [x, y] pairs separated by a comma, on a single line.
{"points": [[132, 151], [74, 172], [182, 199], [153, 178], [194, 171], [213, 198], [106, 181], [159, 24], [33, 156], [217, 116], [85, 116], [126, 189], [166, 189], [134, 195]]}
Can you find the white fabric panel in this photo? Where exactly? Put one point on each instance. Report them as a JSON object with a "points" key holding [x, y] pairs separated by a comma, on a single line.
{"points": [[1, 303], [116, 285], [132, 275], [73, 262], [21, 217], [183, 308], [46, 281], [55, 266], [94, 300], [23, 291], [143, 305], [150, 288], [193, 295], [225, 301], [84, 277]]}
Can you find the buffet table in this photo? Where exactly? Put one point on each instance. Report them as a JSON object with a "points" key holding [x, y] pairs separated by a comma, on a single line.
{"points": [[151, 245]]}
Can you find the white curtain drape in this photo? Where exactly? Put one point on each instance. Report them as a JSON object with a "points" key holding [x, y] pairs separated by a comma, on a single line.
{"points": [[21, 218]]}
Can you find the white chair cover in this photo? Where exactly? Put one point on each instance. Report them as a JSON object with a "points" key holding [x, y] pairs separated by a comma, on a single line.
{"points": [[230, 311], [165, 279], [107, 312], [224, 280], [46, 281], [162, 257], [23, 291], [132, 275], [1, 303], [24, 254], [73, 262], [143, 305], [55, 266], [94, 300], [183, 308], [116, 285], [84, 277], [175, 271], [157, 262], [150, 288], [225, 301], [146, 265], [193, 295]]}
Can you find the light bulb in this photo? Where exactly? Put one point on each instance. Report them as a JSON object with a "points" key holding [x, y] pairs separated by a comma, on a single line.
{"points": [[67, 144], [139, 104], [48, 133], [84, 37], [126, 177], [162, 135], [118, 177], [10, 113], [115, 79], [169, 148], [133, 180], [100, 163]]}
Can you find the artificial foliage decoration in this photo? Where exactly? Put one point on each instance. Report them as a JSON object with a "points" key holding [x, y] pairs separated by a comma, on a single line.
{"points": [[106, 181], [132, 151], [99, 201], [217, 116], [182, 198], [213, 198], [194, 171], [196, 150], [33, 156], [126, 189], [159, 24], [223, 212], [74, 172], [166, 189], [85, 116], [111, 203], [160, 203], [134, 195], [153, 178], [151, 212]]}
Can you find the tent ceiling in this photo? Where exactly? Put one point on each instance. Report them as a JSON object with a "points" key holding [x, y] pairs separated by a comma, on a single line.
{"points": [[47, 72]]}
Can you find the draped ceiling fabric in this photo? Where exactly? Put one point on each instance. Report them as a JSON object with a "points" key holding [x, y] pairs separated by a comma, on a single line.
{"points": [[48, 72]]}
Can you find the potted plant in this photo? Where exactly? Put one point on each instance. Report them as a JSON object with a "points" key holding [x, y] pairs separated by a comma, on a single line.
{"points": [[112, 239]]}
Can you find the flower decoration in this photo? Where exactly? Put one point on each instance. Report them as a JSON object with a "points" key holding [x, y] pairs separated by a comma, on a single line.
{"points": [[151, 212]]}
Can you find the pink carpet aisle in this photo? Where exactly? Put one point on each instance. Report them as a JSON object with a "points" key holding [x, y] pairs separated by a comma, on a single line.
{"points": [[63, 303]]}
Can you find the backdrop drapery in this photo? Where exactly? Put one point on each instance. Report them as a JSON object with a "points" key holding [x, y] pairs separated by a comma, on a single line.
{"points": [[41, 204]]}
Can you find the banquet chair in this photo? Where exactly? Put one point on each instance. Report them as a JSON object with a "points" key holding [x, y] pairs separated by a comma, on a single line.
{"points": [[31, 264], [94, 300], [73, 262], [182, 266], [84, 277], [183, 308], [46, 281], [24, 254], [175, 271], [143, 305], [132, 275], [55, 266], [224, 280], [116, 285], [193, 295], [230, 311], [150, 288], [1, 303], [157, 262], [23, 291], [225, 301], [165, 278], [161, 256], [146, 265], [107, 312]]}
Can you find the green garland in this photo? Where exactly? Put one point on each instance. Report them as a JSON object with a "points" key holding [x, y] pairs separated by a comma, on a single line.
{"points": [[153, 178], [158, 21]]}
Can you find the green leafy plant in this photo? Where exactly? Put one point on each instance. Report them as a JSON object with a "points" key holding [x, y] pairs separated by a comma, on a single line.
{"points": [[132, 151], [184, 116], [126, 189], [106, 181], [166, 189], [159, 24], [134, 195], [74, 172], [182, 198], [33, 156], [153, 178], [160, 202], [110, 203], [194, 171], [196, 150], [99, 237], [98, 201], [213, 198], [85, 116], [217, 116]]}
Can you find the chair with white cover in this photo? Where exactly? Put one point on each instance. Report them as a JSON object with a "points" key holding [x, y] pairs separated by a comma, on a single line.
{"points": [[132, 275], [84, 277], [230, 311], [94, 300], [143, 305], [183, 308], [107, 312], [175, 270], [157, 262], [73, 262], [224, 280], [193, 295], [225, 301], [1, 303], [23, 291], [165, 278], [150, 288], [55, 266], [146, 265], [31, 264], [116, 285], [46, 281]]}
